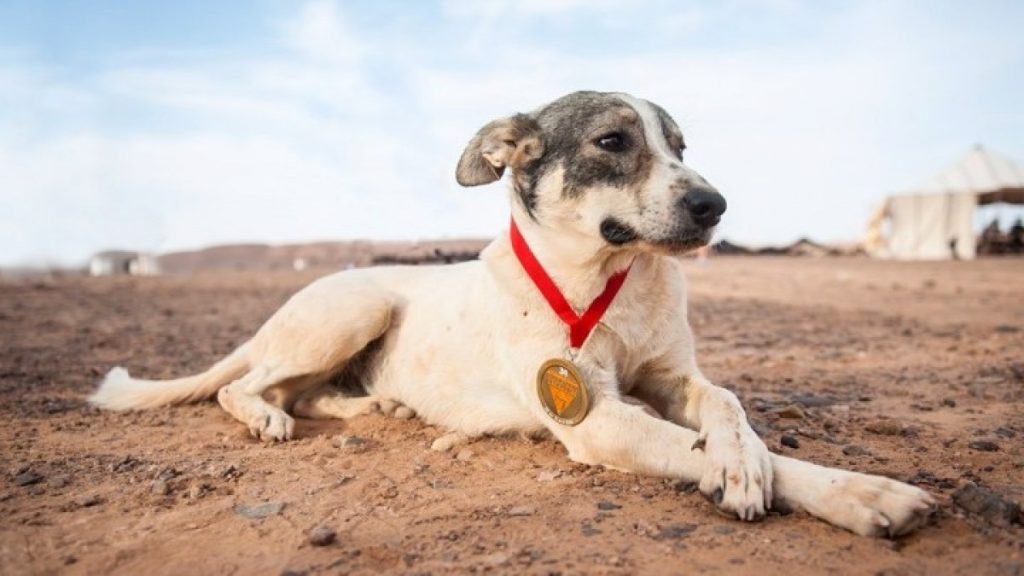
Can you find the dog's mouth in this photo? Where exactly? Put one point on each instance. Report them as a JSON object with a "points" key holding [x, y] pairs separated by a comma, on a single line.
{"points": [[618, 233]]}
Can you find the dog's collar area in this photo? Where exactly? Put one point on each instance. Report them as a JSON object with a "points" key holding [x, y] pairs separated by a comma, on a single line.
{"points": [[580, 325]]}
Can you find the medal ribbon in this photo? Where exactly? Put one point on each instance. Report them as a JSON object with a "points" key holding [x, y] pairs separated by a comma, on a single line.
{"points": [[580, 327]]}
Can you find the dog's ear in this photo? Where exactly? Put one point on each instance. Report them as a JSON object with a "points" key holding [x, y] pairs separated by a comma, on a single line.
{"points": [[513, 142]]}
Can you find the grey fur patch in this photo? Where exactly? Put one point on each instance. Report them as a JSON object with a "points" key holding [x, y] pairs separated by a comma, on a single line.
{"points": [[570, 127]]}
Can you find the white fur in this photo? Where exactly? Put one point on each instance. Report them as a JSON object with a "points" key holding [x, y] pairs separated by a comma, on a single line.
{"points": [[460, 345]]}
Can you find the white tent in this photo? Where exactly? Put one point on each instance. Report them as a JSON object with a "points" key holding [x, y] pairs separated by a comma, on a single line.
{"points": [[936, 220]]}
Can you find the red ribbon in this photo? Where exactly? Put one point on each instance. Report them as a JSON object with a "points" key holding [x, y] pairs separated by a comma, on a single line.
{"points": [[580, 327]]}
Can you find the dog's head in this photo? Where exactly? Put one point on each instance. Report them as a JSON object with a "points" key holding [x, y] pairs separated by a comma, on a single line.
{"points": [[604, 164]]}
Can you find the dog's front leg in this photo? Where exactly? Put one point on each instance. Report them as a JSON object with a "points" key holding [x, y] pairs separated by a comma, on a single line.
{"points": [[732, 466]]}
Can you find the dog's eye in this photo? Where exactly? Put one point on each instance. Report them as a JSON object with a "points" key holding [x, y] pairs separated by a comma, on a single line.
{"points": [[613, 142]]}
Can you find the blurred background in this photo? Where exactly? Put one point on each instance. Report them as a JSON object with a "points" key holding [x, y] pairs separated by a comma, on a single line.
{"points": [[168, 126]]}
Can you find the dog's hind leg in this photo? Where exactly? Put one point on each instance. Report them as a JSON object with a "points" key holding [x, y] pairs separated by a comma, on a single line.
{"points": [[243, 400], [310, 338], [325, 402]]}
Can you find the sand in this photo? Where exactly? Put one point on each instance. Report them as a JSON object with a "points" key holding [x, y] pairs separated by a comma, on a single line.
{"points": [[914, 371]]}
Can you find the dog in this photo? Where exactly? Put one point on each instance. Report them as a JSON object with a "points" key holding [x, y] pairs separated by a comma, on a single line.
{"points": [[600, 195]]}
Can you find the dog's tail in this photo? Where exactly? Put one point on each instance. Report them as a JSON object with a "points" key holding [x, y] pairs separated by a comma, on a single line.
{"points": [[119, 391]]}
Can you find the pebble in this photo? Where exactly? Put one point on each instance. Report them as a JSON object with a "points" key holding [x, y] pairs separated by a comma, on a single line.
{"points": [[257, 511], [58, 482], [885, 427], [89, 501], [353, 444], [404, 413], [522, 511], [983, 445], [548, 475], [987, 504], [854, 450], [27, 479], [606, 505], [791, 411], [160, 487], [949, 402], [790, 441], [322, 536], [464, 455]]}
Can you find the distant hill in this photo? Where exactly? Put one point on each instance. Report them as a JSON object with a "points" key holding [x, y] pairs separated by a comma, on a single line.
{"points": [[337, 255]]}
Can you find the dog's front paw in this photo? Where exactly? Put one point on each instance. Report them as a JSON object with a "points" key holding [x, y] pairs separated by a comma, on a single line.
{"points": [[876, 506], [738, 472]]}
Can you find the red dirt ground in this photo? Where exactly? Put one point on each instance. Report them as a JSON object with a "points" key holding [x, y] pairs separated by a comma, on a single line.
{"points": [[890, 368]]}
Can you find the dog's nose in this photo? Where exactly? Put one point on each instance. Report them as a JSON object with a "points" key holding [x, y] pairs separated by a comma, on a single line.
{"points": [[705, 205]]}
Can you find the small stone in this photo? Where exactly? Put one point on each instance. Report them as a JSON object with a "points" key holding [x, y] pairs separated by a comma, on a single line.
{"points": [[353, 444], [685, 487], [791, 411], [675, 531], [949, 402], [724, 529], [548, 475], [983, 445], [1004, 432], [885, 427], [854, 450], [522, 511], [27, 479], [390, 492], [90, 501], [322, 536], [1007, 329], [987, 504], [790, 441], [606, 505], [59, 482], [160, 487], [258, 511], [464, 455]]}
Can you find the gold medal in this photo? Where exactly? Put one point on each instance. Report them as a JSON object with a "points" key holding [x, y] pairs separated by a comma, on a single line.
{"points": [[562, 392]]}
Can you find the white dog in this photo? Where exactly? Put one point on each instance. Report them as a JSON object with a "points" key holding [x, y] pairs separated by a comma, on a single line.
{"points": [[601, 202]]}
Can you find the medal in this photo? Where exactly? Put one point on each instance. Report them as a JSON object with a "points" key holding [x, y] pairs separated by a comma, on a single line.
{"points": [[560, 387], [562, 392]]}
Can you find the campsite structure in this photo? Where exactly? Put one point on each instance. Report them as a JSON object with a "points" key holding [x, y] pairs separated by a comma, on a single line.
{"points": [[936, 220]]}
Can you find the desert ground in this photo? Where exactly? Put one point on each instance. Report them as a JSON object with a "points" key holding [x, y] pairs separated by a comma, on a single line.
{"points": [[911, 370]]}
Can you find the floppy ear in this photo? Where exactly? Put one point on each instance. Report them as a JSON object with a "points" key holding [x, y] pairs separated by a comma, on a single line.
{"points": [[512, 142]]}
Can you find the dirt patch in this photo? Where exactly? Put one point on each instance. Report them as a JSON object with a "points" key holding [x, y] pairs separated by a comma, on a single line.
{"points": [[914, 371]]}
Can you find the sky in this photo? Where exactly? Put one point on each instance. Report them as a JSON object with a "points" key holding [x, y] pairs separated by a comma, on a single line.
{"points": [[162, 126]]}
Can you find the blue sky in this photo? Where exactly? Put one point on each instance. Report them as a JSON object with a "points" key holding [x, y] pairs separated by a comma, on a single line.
{"points": [[169, 125]]}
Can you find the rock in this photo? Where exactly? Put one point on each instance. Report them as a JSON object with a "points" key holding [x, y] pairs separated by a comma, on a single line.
{"points": [[988, 505], [983, 445], [589, 530], [27, 479], [675, 532], [606, 505], [322, 536], [724, 529], [1007, 329], [885, 427], [813, 401], [790, 441], [1004, 432], [685, 487], [90, 501], [854, 450], [258, 511], [548, 475], [160, 487], [390, 492], [404, 413], [522, 511], [353, 444], [57, 482], [464, 455], [949, 402], [791, 411]]}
